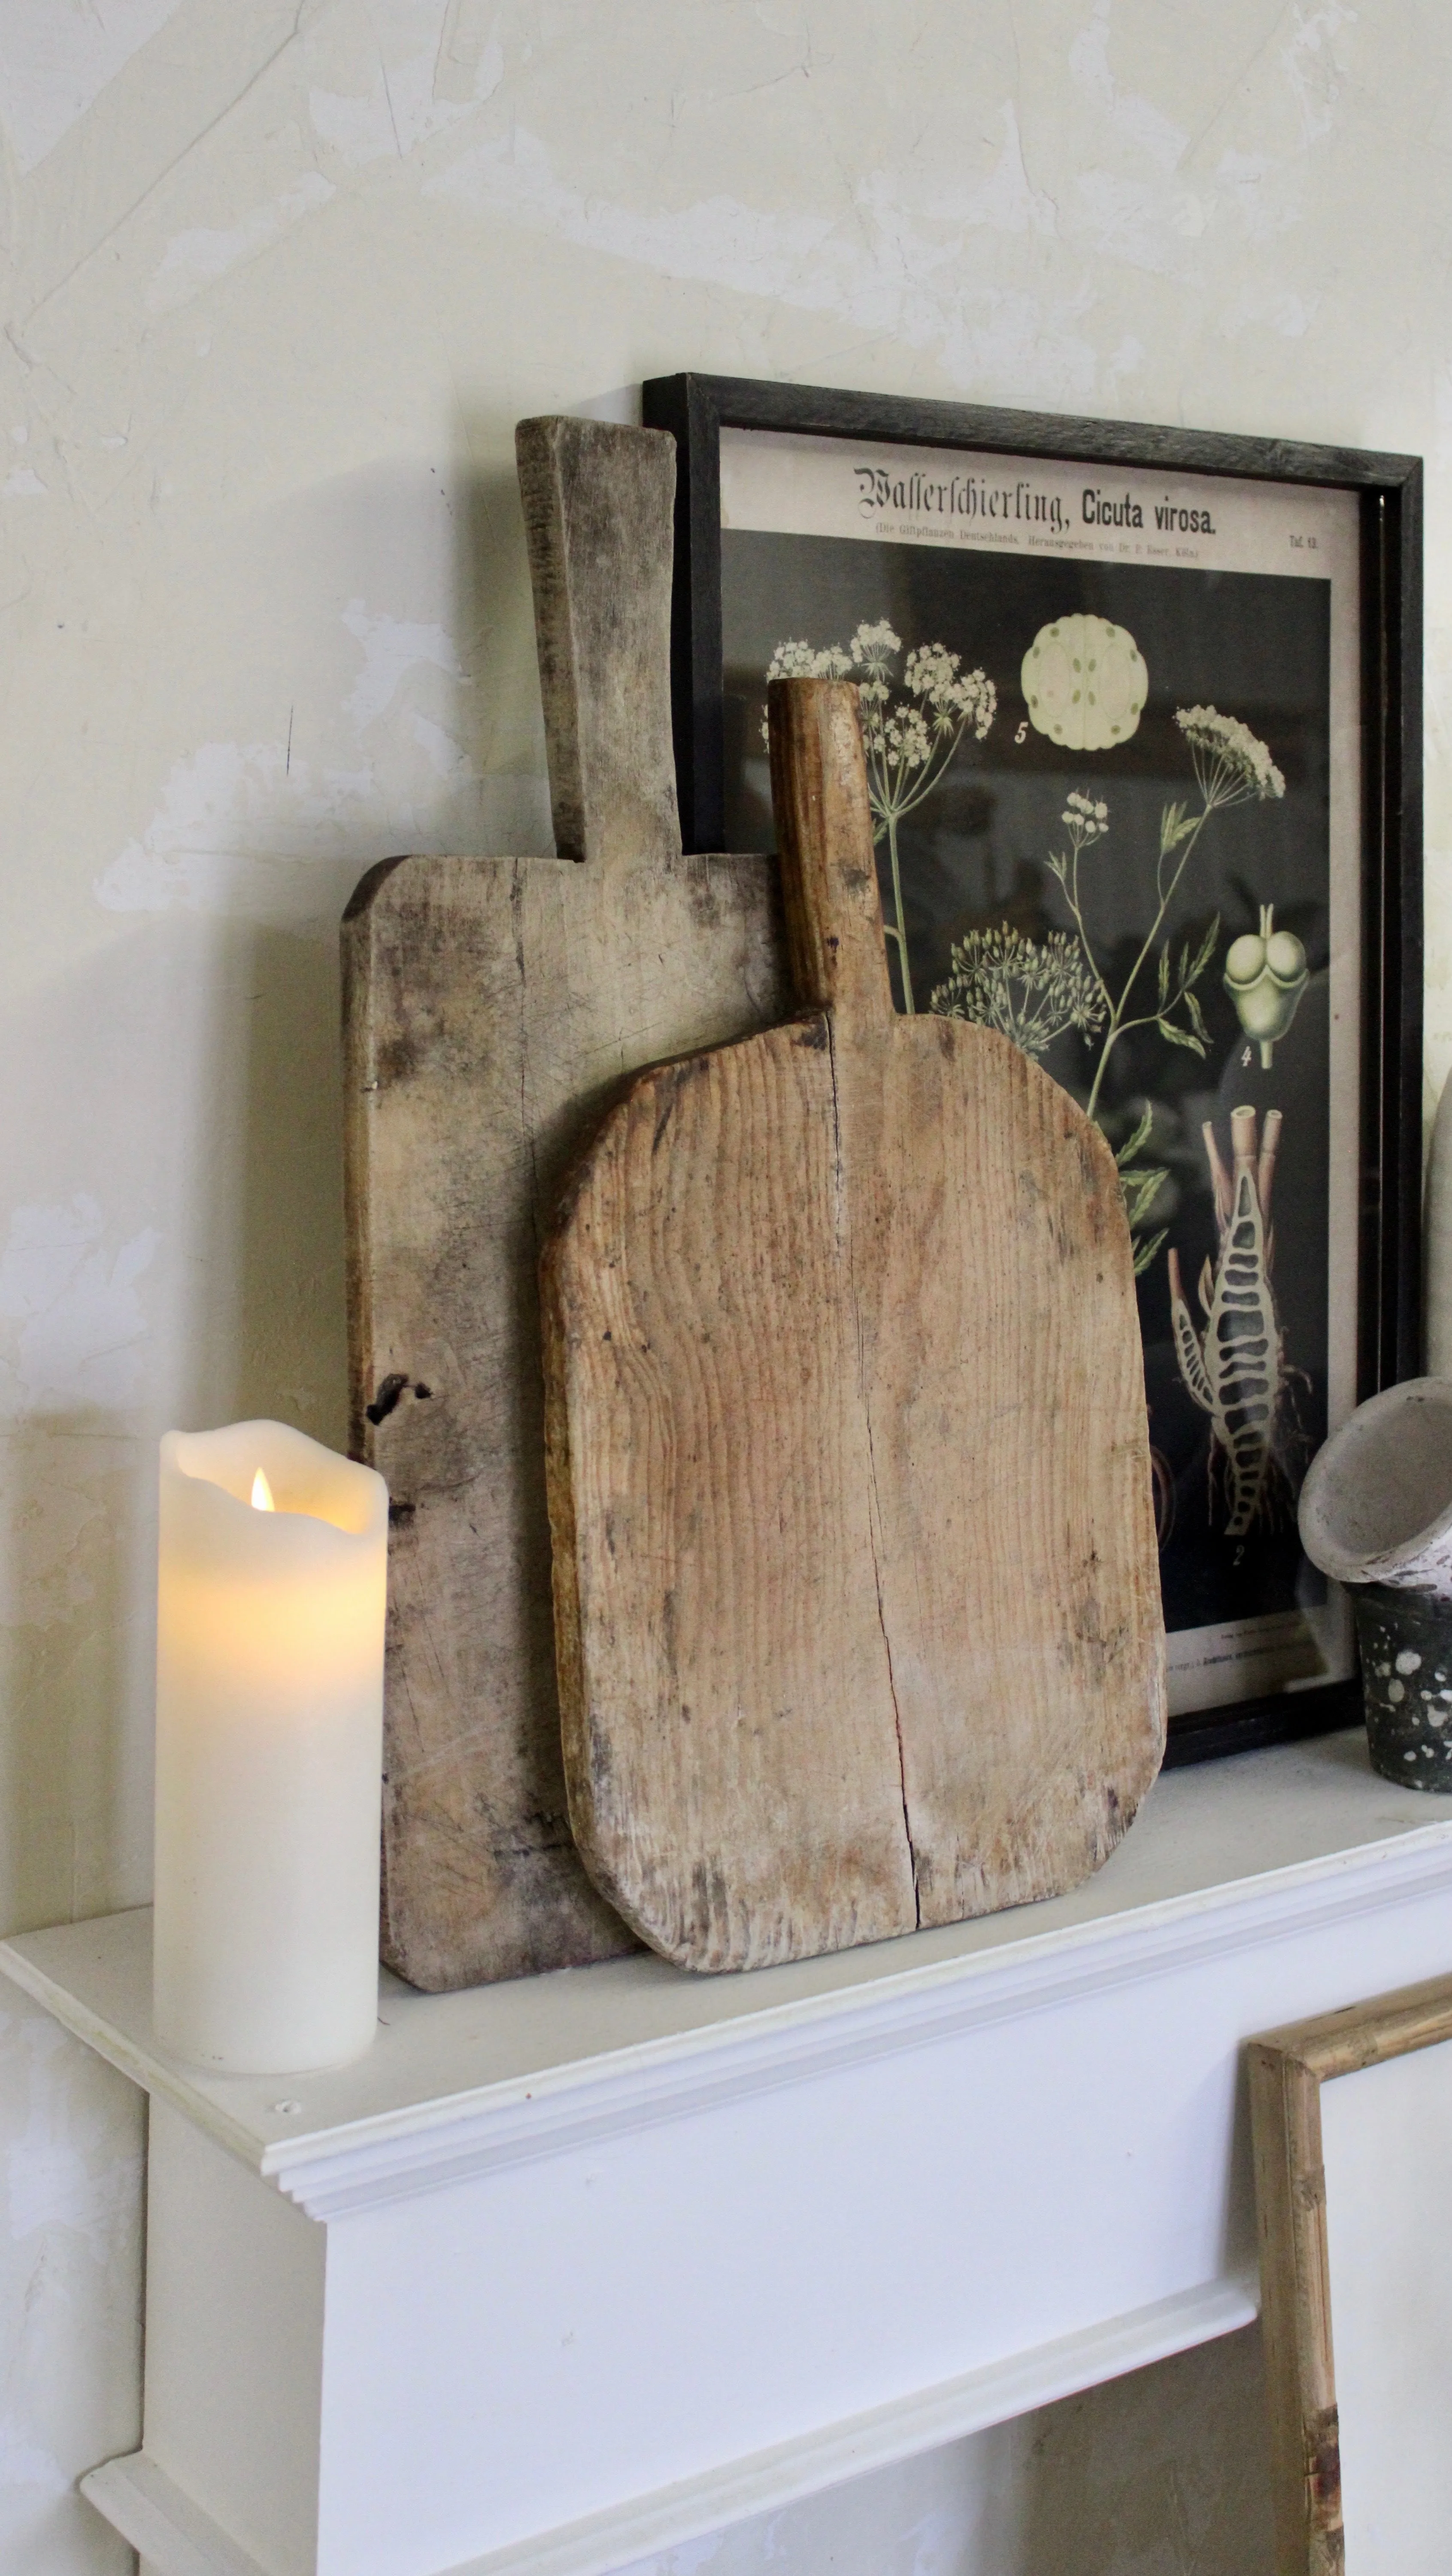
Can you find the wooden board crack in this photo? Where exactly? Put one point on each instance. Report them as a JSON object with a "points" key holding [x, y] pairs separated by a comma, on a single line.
{"points": [[857, 1595]]}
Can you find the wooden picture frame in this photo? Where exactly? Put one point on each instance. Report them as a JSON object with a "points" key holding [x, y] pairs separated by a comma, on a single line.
{"points": [[1311, 2242], [1247, 1673]]}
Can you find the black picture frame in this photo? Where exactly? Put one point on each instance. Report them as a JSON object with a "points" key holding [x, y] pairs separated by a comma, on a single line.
{"points": [[695, 409]]}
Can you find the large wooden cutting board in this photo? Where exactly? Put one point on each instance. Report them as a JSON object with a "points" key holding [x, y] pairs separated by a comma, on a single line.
{"points": [[490, 1007], [857, 1598]]}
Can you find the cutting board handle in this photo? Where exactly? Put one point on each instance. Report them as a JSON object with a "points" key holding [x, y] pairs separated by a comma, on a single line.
{"points": [[598, 502], [824, 832]]}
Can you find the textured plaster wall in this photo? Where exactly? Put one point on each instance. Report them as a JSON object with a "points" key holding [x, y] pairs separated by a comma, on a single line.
{"points": [[279, 280]]}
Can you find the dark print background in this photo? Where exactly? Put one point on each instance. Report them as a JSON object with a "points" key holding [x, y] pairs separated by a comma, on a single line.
{"points": [[989, 861]]}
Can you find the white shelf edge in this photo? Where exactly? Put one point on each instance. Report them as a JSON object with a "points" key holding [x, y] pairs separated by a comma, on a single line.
{"points": [[383, 2160], [433, 2144], [143, 2504], [119, 2050]]}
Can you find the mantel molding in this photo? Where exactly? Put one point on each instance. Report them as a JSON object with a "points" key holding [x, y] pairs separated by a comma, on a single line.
{"points": [[670, 2082], [96, 1979]]}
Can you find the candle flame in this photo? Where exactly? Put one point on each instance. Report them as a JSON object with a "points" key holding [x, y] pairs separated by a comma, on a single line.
{"points": [[262, 1494]]}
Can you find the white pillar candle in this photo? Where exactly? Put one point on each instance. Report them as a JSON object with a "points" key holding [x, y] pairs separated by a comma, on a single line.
{"points": [[269, 1749]]}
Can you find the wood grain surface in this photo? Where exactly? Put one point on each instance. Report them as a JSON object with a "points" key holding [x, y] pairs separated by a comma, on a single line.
{"points": [[857, 1595], [491, 1006]]}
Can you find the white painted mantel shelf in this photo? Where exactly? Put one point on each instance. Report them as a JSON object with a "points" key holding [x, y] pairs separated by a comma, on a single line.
{"points": [[570, 2270]]}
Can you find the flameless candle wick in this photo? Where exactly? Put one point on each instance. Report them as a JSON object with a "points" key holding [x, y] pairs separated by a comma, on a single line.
{"points": [[262, 1494]]}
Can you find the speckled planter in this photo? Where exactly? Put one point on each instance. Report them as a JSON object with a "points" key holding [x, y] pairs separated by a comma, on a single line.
{"points": [[1406, 1676]]}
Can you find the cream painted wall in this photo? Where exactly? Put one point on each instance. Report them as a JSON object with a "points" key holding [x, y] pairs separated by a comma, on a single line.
{"points": [[280, 279]]}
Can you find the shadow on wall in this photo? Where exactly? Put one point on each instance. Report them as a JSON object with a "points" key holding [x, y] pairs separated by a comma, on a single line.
{"points": [[175, 1243], [251, 1314], [1167, 2469], [1162, 2473], [67, 1650], [198, 1277], [290, 1350], [493, 614], [270, 1204]]}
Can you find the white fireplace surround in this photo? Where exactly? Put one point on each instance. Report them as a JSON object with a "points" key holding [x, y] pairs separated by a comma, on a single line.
{"points": [[570, 2270]]}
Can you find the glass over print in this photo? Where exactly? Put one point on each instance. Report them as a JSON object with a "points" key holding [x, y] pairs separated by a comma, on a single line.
{"points": [[1112, 726]]}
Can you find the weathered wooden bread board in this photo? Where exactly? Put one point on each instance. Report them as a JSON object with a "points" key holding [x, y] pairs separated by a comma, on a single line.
{"points": [[857, 1594], [490, 1007]]}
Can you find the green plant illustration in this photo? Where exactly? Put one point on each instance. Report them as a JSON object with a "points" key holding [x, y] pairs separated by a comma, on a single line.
{"points": [[1265, 976], [911, 728], [1141, 1184], [1030, 989]]}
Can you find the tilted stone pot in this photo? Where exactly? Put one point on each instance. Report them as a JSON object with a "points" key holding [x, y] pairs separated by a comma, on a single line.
{"points": [[1376, 1506]]}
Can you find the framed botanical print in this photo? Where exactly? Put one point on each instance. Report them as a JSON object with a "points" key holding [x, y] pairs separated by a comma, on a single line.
{"points": [[1142, 718]]}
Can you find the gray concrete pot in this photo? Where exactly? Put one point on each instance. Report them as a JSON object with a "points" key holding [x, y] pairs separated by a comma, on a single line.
{"points": [[1406, 1679], [1376, 1506]]}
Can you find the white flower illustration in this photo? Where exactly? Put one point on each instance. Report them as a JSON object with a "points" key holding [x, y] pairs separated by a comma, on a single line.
{"points": [[910, 729], [1232, 764]]}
